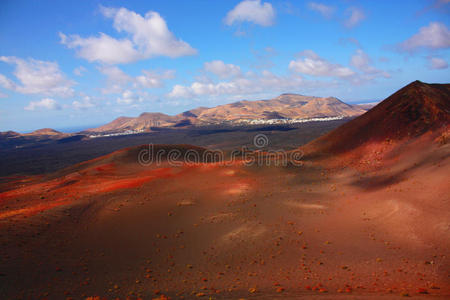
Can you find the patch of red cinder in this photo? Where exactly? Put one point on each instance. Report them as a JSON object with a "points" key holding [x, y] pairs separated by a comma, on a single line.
{"points": [[27, 189], [34, 209], [89, 182], [108, 185], [126, 183], [105, 168], [213, 165]]}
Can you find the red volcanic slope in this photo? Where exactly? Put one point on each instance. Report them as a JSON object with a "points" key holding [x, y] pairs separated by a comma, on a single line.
{"points": [[128, 157], [116, 171], [109, 226], [410, 112]]}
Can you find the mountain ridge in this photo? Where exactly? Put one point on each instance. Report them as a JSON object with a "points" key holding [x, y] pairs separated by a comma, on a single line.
{"points": [[285, 107], [410, 112]]}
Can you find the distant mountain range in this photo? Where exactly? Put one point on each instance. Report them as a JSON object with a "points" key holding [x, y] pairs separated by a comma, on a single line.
{"points": [[286, 108], [43, 131]]}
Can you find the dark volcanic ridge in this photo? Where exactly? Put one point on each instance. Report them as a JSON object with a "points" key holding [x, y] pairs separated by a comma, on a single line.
{"points": [[410, 112]]}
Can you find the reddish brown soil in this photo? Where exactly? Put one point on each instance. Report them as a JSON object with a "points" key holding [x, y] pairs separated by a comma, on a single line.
{"points": [[416, 109], [369, 223], [229, 232]]}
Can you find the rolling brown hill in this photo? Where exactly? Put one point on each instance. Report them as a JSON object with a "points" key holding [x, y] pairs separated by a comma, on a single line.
{"points": [[143, 122], [46, 132], [40, 132], [286, 106], [415, 109]]}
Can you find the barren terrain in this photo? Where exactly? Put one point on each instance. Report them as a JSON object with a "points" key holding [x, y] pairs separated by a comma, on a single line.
{"points": [[370, 221]]}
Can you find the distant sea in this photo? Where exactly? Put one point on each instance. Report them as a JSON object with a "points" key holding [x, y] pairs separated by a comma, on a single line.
{"points": [[76, 128]]}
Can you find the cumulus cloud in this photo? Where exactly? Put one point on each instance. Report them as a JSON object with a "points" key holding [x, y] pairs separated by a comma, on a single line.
{"points": [[361, 61], [84, 103], [37, 77], [221, 69], [312, 64], [239, 86], [325, 10], [437, 63], [118, 80], [251, 11], [103, 48], [153, 79], [434, 36], [44, 104], [129, 97], [355, 16], [180, 91], [147, 36]]}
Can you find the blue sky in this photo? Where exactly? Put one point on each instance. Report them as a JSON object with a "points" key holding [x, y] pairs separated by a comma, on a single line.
{"points": [[83, 63]]}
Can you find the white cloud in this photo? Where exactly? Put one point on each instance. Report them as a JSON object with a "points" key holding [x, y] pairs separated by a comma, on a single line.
{"points": [[222, 70], [437, 63], [149, 33], [85, 103], [79, 71], [434, 36], [257, 84], [312, 64], [103, 48], [128, 97], [118, 81], [153, 79], [280, 83], [44, 104], [6, 82], [37, 77], [325, 10], [356, 15], [115, 75], [180, 91], [148, 36], [251, 11], [251, 84], [362, 62]]}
